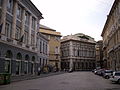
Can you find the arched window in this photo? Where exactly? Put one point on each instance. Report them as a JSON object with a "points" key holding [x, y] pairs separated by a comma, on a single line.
{"points": [[9, 54], [7, 61], [27, 58], [33, 58], [19, 56]]}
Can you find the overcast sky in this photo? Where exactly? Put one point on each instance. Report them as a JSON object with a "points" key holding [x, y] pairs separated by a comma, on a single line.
{"points": [[75, 16]]}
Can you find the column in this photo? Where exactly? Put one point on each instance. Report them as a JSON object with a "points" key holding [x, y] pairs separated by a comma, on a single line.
{"points": [[35, 35], [71, 49], [71, 54], [29, 36], [23, 22], [14, 18], [71, 63], [23, 26], [3, 16]]}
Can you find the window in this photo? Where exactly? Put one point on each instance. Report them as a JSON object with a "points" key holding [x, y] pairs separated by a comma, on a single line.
{"points": [[25, 67], [7, 66], [18, 33], [26, 37], [57, 38], [43, 47], [17, 67], [48, 37], [1, 3], [7, 63], [43, 62], [0, 13], [40, 46], [33, 58], [40, 62], [57, 50], [33, 23], [32, 39], [19, 12], [27, 58], [10, 6], [8, 29], [46, 48], [26, 18]]}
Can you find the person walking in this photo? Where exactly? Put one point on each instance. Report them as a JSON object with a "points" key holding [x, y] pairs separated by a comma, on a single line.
{"points": [[39, 70]]}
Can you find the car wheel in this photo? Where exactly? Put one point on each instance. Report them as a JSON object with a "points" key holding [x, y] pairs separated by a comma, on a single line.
{"points": [[119, 81], [107, 77]]}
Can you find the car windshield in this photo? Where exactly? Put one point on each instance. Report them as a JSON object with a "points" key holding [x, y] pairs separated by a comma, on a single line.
{"points": [[108, 71], [117, 74]]}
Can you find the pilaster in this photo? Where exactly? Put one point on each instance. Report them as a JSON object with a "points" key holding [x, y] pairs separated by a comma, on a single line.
{"points": [[3, 16], [14, 19], [23, 22], [29, 37], [35, 38]]}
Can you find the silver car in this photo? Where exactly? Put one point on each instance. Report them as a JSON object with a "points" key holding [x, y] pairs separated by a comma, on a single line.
{"points": [[115, 77], [107, 74]]}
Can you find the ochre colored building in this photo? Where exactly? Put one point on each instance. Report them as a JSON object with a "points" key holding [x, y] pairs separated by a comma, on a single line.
{"points": [[54, 45]]}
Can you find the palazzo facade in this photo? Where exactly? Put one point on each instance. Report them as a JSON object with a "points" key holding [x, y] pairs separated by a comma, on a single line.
{"points": [[77, 52], [19, 45]]}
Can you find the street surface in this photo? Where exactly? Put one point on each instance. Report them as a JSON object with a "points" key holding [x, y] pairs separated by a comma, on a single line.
{"points": [[67, 81]]}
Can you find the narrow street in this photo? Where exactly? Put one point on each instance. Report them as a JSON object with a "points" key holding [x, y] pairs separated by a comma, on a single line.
{"points": [[66, 81]]}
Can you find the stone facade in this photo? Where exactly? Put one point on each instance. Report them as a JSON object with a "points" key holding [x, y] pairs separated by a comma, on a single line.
{"points": [[111, 38], [42, 50], [53, 44], [18, 37], [77, 52]]}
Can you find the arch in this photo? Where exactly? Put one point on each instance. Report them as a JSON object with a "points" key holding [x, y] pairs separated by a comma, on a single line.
{"points": [[19, 56], [27, 57], [33, 58], [9, 54]]}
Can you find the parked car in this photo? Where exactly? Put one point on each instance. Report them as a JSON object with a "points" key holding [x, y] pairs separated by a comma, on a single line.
{"points": [[115, 77], [100, 72], [107, 74]]}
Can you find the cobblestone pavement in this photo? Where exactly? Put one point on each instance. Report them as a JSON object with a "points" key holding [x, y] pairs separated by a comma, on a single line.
{"points": [[66, 81]]}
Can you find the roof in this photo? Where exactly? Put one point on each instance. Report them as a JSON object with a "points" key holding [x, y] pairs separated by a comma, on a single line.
{"points": [[50, 32], [79, 37], [45, 27], [33, 6]]}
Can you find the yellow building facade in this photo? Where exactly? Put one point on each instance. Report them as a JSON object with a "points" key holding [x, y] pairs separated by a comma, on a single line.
{"points": [[54, 45], [111, 38]]}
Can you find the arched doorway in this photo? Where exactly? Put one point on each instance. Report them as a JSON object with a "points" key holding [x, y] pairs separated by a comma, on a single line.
{"points": [[18, 63], [7, 64], [27, 58]]}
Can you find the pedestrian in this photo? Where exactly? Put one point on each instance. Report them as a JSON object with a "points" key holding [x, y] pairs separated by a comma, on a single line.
{"points": [[39, 70]]}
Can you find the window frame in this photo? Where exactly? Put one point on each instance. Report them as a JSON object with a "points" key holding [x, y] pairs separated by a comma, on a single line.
{"points": [[32, 39], [19, 12], [26, 18], [10, 6], [1, 1], [8, 30], [19, 33], [33, 23], [26, 38]]}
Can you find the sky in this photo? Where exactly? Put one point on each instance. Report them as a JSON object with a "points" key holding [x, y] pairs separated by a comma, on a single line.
{"points": [[75, 16]]}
